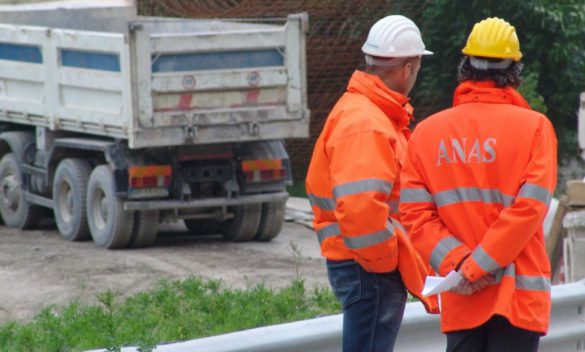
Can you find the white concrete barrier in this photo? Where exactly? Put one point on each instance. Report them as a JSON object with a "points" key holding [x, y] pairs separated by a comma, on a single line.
{"points": [[419, 331], [574, 246]]}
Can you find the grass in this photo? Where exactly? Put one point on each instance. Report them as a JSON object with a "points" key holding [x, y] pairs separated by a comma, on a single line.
{"points": [[297, 189], [173, 311]]}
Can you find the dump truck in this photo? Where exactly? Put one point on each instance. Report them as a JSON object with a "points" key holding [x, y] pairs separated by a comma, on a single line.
{"points": [[118, 122]]}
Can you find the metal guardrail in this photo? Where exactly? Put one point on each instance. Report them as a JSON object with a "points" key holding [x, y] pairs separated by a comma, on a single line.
{"points": [[419, 331]]}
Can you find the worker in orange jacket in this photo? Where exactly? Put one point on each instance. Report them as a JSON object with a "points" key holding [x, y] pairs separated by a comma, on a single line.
{"points": [[353, 187], [475, 190]]}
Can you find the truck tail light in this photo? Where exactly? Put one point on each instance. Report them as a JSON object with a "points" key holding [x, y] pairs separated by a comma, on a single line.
{"points": [[263, 170], [152, 176]]}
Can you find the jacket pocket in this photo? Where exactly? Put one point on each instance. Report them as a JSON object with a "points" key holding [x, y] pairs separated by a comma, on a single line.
{"points": [[345, 279]]}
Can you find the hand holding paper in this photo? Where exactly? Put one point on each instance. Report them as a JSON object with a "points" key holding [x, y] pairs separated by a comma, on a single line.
{"points": [[437, 284], [455, 282]]}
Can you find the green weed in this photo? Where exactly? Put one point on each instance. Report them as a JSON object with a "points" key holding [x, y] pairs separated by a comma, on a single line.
{"points": [[173, 311], [297, 189]]}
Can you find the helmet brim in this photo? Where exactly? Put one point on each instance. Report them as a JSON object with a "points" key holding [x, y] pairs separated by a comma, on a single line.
{"points": [[515, 57], [390, 55]]}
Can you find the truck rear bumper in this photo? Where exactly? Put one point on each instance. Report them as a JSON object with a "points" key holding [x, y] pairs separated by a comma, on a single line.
{"points": [[204, 203]]}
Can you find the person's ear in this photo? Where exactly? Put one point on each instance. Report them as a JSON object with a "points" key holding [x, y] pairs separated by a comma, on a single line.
{"points": [[407, 69]]}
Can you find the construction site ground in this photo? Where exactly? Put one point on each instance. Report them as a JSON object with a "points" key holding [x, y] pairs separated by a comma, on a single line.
{"points": [[38, 268]]}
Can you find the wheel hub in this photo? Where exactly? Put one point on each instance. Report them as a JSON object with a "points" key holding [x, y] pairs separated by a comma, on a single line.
{"points": [[100, 209], [65, 201], [104, 209], [10, 192]]}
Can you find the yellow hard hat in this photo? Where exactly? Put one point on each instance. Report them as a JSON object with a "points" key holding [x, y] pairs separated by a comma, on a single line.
{"points": [[493, 38]]}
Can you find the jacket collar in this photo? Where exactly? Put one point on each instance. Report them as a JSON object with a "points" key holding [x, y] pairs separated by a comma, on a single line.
{"points": [[487, 92], [394, 104]]}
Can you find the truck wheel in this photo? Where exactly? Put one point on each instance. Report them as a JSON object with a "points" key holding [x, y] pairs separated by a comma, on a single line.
{"points": [[201, 226], [271, 222], [244, 225], [15, 210], [145, 228], [69, 197], [109, 224]]}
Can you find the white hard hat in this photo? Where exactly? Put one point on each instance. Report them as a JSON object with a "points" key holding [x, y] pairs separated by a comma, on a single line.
{"points": [[394, 36]]}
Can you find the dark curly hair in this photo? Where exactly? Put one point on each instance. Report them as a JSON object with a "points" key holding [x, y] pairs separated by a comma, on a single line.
{"points": [[503, 77]]}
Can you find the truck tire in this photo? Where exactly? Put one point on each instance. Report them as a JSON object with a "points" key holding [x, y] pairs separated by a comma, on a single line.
{"points": [[16, 211], [201, 226], [70, 198], [244, 225], [145, 228], [110, 226], [271, 221]]}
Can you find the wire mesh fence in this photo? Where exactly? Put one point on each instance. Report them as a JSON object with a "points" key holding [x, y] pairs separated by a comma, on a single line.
{"points": [[337, 31]]}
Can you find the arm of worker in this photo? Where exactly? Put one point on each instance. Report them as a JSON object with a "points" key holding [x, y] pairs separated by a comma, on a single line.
{"points": [[517, 224], [363, 170], [419, 214]]}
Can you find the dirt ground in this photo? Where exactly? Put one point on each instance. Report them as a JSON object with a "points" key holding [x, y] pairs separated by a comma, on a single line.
{"points": [[38, 268]]}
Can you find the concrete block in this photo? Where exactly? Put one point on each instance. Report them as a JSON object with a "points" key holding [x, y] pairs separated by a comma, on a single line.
{"points": [[574, 246], [574, 258], [574, 223], [576, 192]]}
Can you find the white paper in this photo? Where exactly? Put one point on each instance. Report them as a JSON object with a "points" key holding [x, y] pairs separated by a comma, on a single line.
{"points": [[438, 284]]}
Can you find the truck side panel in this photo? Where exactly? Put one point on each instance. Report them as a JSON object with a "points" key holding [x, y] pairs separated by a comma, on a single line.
{"points": [[23, 74], [92, 80], [62, 79]]}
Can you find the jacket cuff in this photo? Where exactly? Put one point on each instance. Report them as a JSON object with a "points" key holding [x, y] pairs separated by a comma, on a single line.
{"points": [[453, 258], [471, 270]]}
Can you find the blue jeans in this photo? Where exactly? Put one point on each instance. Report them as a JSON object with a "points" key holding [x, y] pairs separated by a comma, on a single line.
{"points": [[373, 305]]}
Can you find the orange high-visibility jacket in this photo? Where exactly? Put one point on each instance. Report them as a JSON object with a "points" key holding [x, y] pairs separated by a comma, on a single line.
{"points": [[477, 181], [353, 184]]}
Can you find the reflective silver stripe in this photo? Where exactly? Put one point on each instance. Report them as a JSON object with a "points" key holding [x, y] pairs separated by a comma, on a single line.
{"points": [[368, 185], [328, 231], [523, 282], [532, 283], [393, 204], [535, 192], [322, 202], [484, 260], [396, 223], [370, 239], [510, 270], [415, 195], [472, 194], [441, 249]]}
